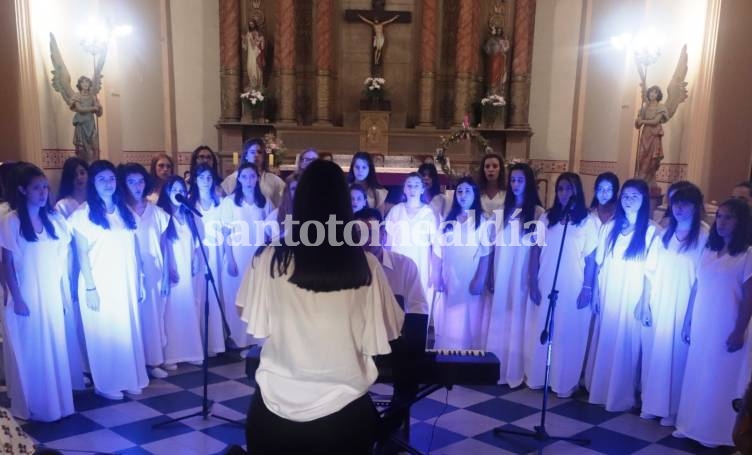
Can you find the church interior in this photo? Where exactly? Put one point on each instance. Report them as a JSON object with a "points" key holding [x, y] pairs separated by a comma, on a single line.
{"points": [[559, 86]]}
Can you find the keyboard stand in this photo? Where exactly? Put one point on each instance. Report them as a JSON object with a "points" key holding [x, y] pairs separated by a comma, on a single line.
{"points": [[401, 439]]}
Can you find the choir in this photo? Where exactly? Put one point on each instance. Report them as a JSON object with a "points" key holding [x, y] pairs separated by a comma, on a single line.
{"points": [[111, 282]]}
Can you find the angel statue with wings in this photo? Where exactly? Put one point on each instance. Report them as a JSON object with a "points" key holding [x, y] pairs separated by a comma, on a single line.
{"points": [[84, 103], [653, 114]]}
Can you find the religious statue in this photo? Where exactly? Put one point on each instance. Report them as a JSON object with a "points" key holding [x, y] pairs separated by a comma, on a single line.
{"points": [[496, 48], [84, 103], [378, 35], [653, 114], [254, 45]]}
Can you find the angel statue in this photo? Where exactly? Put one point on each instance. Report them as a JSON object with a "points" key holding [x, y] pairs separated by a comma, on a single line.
{"points": [[84, 103], [653, 114]]}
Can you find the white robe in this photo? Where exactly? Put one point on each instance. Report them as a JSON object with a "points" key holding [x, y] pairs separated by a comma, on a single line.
{"points": [[181, 317], [74, 332], [509, 308], [571, 325], [675, 275], [232, 218], [714, 376], [113, 333], [458, 316], [414, 237], [616, 353], [490, 205], [39, 382], [211, 231], [150, 226], [272, 187]]}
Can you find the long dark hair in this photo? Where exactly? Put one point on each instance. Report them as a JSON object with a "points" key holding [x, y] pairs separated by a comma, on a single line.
{"points": [[97, 210], [24, 175], [193, 191], [124, 170], [237, 195], [8, 187], [372, 182], [690, 194], [194, 157], [456, 210], [333, 265], [68, 176], [740, 239], [577, 209], [636, 248], [262, 150], [435, 187], [482, 180], [613, 180], [165, 204], [670, 191], [530, 198]]}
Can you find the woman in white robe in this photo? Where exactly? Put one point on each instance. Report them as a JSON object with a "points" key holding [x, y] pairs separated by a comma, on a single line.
{"points": [[151, 222], [411, 229], [181, 319], [35, 243], [679, 253], [625, 256], [242, 214], [717, 330], [572, 315], [109, 286], [463, 250], [492, 183], [207, 202], [511, 263], [71, 194]]}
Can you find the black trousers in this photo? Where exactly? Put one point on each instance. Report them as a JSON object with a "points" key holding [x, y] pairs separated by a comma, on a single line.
{"points": [[351, 430]]}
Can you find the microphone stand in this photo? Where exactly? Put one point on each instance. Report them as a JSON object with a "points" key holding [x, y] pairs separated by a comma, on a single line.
{"points": [[539, 433], [206, 404]]}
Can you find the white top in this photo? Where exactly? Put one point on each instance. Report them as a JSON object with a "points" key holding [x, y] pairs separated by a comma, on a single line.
{"points": [[404, 279], [272, 186], [66, 206], [317, 358], [491, 204]]}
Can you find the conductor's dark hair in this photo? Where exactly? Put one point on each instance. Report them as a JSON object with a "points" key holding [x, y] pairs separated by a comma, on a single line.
{"points": [[332, 265]]}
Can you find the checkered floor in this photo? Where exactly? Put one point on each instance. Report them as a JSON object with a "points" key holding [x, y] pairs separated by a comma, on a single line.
{"points": [[460, 421]]}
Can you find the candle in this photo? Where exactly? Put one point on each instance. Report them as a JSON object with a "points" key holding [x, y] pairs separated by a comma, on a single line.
{"points": [[271, 159], [449, 166], [235, 158]]}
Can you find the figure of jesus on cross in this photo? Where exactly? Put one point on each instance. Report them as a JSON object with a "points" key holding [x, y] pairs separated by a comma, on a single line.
{"points": [[378, 35], [377, 18]]}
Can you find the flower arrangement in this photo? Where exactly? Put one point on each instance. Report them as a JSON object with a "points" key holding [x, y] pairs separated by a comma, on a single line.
{"points": [[465, 132], [492, 103], [254, 98], [373, 88], [275, 149]]}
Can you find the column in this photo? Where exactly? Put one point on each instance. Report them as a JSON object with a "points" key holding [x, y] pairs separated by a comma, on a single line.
{"points": [[322, 35], [463, 60], [286, 60], [522, 53], [427, 63], [30, 137], [229, 59]]}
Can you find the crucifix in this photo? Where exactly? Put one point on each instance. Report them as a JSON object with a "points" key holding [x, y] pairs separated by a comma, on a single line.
{"points": [[377, 18]]}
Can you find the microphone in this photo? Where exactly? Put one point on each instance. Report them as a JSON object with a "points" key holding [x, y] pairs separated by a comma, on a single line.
{"points": [[185, 203]]}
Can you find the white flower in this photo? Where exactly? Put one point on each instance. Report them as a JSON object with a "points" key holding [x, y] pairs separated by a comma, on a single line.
{"points": [[253, 100]]}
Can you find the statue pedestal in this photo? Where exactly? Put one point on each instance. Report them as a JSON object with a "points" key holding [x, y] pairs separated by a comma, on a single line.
{"points": [[375, 105], [492, 120], [253, 114], [374, 131]]}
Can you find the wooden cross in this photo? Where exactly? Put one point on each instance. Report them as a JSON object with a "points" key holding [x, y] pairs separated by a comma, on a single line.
{"points": [[377, 18]]}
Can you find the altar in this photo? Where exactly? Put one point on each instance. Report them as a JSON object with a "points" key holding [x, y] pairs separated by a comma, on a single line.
{"points": [[337, 79]]}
